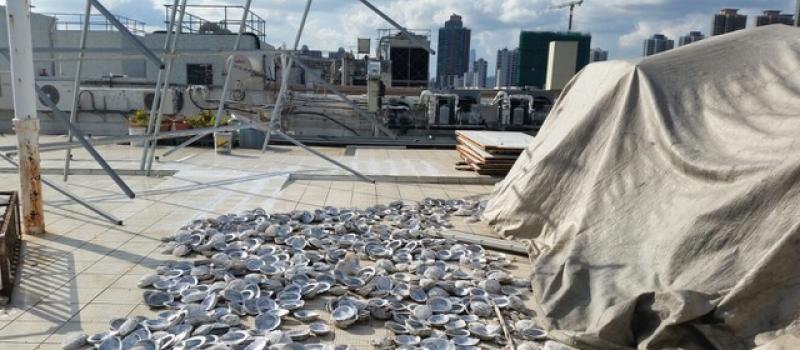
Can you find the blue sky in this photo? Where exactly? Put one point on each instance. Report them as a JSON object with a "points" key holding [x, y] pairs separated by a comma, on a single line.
{"points": [[616, 25]]}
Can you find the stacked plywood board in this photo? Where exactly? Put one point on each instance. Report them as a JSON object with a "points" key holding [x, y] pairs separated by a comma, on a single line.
{"points": [[490, 152]]}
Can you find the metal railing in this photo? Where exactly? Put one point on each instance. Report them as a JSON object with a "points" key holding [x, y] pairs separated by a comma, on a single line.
{"points": [[10, 243], [97, 22], [228, 20]]}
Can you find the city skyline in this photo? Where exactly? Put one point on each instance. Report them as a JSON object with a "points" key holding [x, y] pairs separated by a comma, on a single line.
{"points": [[335, 23]]}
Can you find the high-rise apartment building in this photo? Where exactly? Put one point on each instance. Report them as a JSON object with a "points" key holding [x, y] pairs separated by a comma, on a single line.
{"points": [[690, 38], [506, 67], [774, 17], [598, 55], [480, 69], [453, 50], [728, 20], [658, 43]]}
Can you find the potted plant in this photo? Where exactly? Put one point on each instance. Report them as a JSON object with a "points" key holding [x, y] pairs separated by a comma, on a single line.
{"points": [[137, 125], [180, 124], [223, 140]]}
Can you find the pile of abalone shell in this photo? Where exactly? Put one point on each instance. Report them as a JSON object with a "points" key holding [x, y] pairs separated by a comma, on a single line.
{"points": [[387, 263]]}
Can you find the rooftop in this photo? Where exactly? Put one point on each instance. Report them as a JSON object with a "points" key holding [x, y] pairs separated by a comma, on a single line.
{"points": [[84, 271]]}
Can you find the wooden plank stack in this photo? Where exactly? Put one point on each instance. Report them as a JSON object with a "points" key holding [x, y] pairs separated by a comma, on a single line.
{"points": [[490, 152]]}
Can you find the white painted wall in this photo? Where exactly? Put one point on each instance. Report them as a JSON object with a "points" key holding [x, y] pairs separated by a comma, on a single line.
{"points": [[561, 64]]}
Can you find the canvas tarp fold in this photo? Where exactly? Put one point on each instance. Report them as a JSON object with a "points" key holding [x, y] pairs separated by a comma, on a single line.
{"points": [[663, 198]]}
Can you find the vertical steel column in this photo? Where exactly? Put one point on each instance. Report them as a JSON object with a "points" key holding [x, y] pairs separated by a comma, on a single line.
{"points": [[26, 121], [224, 94], [153, 142], [76, 84], [156, 95], [797, 14], [287, 68]]}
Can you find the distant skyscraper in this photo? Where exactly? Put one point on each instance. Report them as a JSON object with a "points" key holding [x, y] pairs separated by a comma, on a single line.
{"points": [[774, 17], [658, 43], [453, 50], [728, 20], [472, 56], [597, 55], [690, 38], [506, 67], [480, 69]]}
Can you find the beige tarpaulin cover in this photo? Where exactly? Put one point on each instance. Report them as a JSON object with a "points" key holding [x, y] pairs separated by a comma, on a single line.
{"points": [[664, 195]]}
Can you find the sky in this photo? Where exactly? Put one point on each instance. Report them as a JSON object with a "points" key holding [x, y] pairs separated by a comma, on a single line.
{"points": [[619, 26]]}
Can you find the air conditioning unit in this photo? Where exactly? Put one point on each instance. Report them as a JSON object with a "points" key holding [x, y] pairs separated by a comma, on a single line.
{"points": [[59, 92]]}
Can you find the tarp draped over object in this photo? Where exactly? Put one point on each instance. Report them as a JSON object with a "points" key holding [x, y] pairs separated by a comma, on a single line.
{"points": [[664, 196]]}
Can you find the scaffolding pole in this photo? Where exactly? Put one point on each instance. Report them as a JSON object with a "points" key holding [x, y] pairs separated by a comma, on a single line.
{"points": [[71, 195], [164, 89], [402, 29], [266, 130], [26, 121], [287, 67], [127, 34], [76, 84], [88, 146], [344, 98], [156, 96], [225, 85], [111, 140]]}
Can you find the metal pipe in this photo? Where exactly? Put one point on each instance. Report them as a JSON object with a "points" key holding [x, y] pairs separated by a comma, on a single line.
{"points": [[76, 84], [265, 129], [70, 195], [26, 121], [226, 84], [402, 29], [278, 107], [224, 89], [126, 33], [79, 134], [156, 96], [167, 74], [344, 98], [57, 146], [287, 68], [318, 154]]}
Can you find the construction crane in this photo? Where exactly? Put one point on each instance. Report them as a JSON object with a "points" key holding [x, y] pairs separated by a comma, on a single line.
{"points": [[571, 6]]}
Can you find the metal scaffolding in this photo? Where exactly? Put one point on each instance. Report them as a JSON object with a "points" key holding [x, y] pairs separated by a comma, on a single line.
{"points": [[20, 54]]}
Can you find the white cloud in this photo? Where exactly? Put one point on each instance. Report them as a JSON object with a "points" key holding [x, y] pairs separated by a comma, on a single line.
{"points": [[672, 29]]}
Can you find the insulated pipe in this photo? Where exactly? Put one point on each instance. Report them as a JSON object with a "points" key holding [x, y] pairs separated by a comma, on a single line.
{"points": [[528, 98], [26, 121], [425, 96], [76, 84], [501, 95]]}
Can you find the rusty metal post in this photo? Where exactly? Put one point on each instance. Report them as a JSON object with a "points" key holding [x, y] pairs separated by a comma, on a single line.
{"points": [[26, 121]]}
